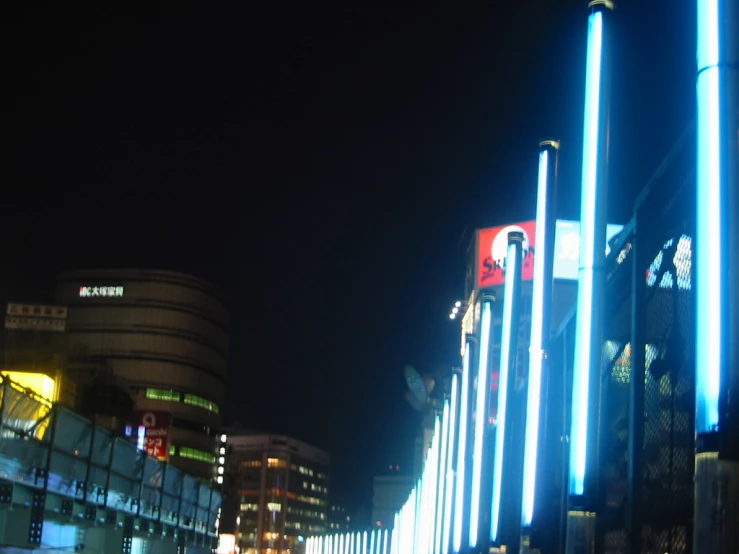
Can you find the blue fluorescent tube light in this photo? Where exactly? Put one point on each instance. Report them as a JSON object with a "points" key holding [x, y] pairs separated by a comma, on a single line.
{"points": [[536, 353], [506, 356], [481, 416], [709, 245], [449, 491], [441, 478], [459, 499], [586, 276]]}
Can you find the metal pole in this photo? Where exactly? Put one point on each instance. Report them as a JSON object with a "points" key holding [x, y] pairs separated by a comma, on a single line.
{"points": [[540, 331], [584, 449], [636, 392], [717, 289], [506, 499]]}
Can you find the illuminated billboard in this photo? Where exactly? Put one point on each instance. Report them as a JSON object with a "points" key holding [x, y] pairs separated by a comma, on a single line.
{"points": [[492, 250], [492, 244], [157, 426]]}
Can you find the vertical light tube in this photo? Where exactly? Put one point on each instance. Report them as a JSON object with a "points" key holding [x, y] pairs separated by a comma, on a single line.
{"points": [[592, 252], [441, 479], [329, 548], [337, 548], [540, 302], [710, 220], [449, 491], [372, 539], [428, 503], [459, 501], [481, 416], [507, 368], [384, 542]]}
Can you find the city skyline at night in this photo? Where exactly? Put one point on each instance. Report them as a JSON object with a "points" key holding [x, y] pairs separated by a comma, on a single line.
{"points": [[326, 170]]}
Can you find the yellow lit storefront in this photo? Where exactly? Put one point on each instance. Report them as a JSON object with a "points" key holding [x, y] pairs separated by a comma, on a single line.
{"points": [[40, 383]]}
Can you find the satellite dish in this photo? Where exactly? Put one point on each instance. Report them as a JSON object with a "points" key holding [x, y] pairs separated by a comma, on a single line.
{"points": [[416, 384]]}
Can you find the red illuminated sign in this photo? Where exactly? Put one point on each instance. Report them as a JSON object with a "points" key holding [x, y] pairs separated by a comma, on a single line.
{"points": [[157, 426], [493, 247]]}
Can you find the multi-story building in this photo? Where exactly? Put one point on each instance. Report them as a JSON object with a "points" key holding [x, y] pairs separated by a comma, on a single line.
{"points": [[339, 519], [282, 485], [165, 335]]}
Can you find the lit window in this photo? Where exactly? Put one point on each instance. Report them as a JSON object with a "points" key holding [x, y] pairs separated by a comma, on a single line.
{"points": [[251, 463], [200, 402], [162, 394], [194, 454], [276, 462]]}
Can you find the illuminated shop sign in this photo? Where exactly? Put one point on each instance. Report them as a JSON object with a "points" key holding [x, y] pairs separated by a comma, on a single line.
{"points": [[157, 424], [492, 244], [86, 292]]}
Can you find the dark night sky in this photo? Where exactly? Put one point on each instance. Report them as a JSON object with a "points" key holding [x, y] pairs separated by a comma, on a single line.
{"points": [[322, 167]]}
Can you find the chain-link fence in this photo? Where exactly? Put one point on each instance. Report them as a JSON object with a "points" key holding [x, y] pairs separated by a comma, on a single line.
{"points": [[647, 391]]}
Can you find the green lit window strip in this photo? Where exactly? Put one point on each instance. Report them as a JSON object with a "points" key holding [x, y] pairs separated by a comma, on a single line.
{"points": [[201, 402], [161, 394], [176, 396], [192, 453]]}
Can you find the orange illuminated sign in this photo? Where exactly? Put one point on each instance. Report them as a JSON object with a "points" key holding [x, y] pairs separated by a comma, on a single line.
{"points": [[492, 245]]}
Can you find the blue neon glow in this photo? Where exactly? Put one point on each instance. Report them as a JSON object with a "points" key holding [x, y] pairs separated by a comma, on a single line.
{"points": [[461, 451], [709, 263], [536, 354], [449, 492], [372, 540], [506, 356], [481, 417], [581, 371], [441, 478], [385, 541]]}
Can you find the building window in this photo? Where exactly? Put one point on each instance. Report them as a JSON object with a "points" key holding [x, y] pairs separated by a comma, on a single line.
{"points": [[276, 462], [200, 402], [251, 463], [177, 396], [192, 454], [162, 394]]}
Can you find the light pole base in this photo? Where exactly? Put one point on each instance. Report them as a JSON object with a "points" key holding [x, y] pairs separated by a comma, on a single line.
{"points": [[580, 532], [716, 508]]}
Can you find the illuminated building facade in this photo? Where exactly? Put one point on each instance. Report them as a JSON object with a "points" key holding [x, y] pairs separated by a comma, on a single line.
{"points": [[165, 334], [282, 484]]}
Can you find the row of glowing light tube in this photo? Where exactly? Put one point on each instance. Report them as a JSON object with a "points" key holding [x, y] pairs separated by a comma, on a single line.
{"points": [[424, 524], [374, 542]]}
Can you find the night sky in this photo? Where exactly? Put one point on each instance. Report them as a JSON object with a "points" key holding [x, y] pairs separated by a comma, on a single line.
{"points": [[324, 168]]}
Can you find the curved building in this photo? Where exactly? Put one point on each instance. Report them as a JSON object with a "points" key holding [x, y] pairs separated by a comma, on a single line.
{"points": [[166, 335]]}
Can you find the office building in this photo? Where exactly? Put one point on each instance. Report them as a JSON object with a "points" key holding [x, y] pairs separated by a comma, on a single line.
{"points": [[165, 335], [282, 485]]}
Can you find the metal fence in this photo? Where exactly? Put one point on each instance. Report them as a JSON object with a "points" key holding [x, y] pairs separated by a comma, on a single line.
{"points": [[647, 388], [51, 449]]}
